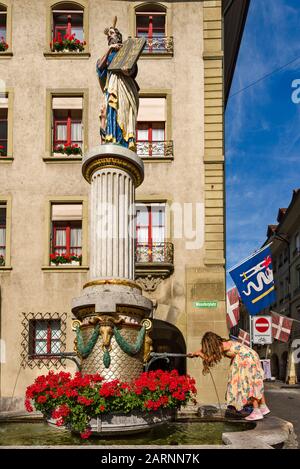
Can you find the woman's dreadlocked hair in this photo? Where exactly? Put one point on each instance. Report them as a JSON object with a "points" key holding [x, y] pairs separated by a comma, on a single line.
{"points": [[211, 346]]}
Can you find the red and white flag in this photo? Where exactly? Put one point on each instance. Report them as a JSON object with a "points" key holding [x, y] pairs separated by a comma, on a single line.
{"points": [[244, 337], [233, 307], [281, 327]]}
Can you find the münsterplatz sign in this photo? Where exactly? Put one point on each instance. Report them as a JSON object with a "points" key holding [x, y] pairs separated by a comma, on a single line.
{"points": [[205, 304]]}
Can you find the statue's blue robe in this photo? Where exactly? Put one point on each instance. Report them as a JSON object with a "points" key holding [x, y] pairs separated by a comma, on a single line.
{"points": [[113, 130]]}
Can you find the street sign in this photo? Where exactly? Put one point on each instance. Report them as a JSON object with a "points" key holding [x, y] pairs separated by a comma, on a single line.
{"points": [[262, 330], [206, 304]]}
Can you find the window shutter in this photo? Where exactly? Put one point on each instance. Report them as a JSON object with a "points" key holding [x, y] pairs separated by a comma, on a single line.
{"points": [[3, 100], [67, 102], [152, 110], [66, 212]]}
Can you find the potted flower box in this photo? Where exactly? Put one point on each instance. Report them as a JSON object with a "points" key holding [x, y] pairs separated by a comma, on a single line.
{"points": [[2, 260], [75, 262], [67, 44], [3, 45], [130, 423], [87, 404], [65, 259], [67, 150]]}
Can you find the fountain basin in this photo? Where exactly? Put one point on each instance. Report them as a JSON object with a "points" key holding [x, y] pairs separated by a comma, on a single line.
{"points": [[193, 432], [135, 422]]}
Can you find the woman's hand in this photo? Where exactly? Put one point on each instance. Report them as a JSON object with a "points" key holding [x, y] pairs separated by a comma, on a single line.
{"points": [[194, 355]]}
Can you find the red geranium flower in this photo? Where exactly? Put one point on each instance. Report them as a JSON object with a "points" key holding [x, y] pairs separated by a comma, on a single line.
{"points": [[28, 406], [86, 434], [42, 399]]}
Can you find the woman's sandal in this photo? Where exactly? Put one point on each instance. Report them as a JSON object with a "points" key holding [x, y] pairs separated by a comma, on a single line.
{"points": [[264, 410], [255, 415]]}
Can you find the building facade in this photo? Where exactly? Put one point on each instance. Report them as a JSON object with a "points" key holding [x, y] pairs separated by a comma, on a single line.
{"points": [[285, 238], [49, 116]]}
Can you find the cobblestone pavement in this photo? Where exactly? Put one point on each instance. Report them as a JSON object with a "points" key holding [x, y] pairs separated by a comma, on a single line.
{"points": [[284, 403]]}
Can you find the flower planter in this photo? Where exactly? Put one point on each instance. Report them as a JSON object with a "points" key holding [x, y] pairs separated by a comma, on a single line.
{"points": [[120, 423], [66, 263], [60, 264], [135, 422], [65, 155], [67, 51], [152, 398], [67, 44]]}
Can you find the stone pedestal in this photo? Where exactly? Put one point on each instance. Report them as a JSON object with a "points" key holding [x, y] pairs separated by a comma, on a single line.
{"points": [[113, 172], [111, 299]]}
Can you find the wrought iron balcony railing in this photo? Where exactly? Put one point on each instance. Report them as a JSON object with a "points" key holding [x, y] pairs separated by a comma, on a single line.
{"points": [[159, 149], [159, 45], [154, 253]]}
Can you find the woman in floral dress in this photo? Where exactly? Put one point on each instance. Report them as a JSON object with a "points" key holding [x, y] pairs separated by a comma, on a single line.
{"points": [[245, 381]]}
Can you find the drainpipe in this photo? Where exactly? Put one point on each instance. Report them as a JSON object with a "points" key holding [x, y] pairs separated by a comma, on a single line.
{"points": [[227, 8]]}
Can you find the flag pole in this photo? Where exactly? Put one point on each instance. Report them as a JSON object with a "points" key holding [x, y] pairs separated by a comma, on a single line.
{"points": [[251, 329]]}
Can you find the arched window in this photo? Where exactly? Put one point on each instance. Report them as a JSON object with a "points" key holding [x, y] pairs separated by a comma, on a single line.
{"points": [[68, 19], [151, 23], [5, 28]]}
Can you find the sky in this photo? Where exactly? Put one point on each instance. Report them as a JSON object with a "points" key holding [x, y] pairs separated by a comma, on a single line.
{"points": [[262, 126]]}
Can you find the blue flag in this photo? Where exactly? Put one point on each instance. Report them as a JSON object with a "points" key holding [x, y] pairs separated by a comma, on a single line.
{"points": [[254, 281]]}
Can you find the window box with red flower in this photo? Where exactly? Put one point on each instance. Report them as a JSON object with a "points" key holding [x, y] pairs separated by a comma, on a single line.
{"points": [[66, 44], [62, 259], [3, 45], [67, 149], [2, 150], [79, 403]]}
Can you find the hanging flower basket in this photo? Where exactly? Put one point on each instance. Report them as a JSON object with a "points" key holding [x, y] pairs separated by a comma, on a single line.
{"points": [[61, 259], [68, 43], [3, 45], [68, 149], [81, 402]]}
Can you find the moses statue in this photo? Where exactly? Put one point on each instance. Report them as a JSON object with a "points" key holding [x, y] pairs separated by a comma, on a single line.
{"points": [[117, 71]]}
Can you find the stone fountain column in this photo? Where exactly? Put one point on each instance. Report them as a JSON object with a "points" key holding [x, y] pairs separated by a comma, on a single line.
{"points": [[111, 314]]}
